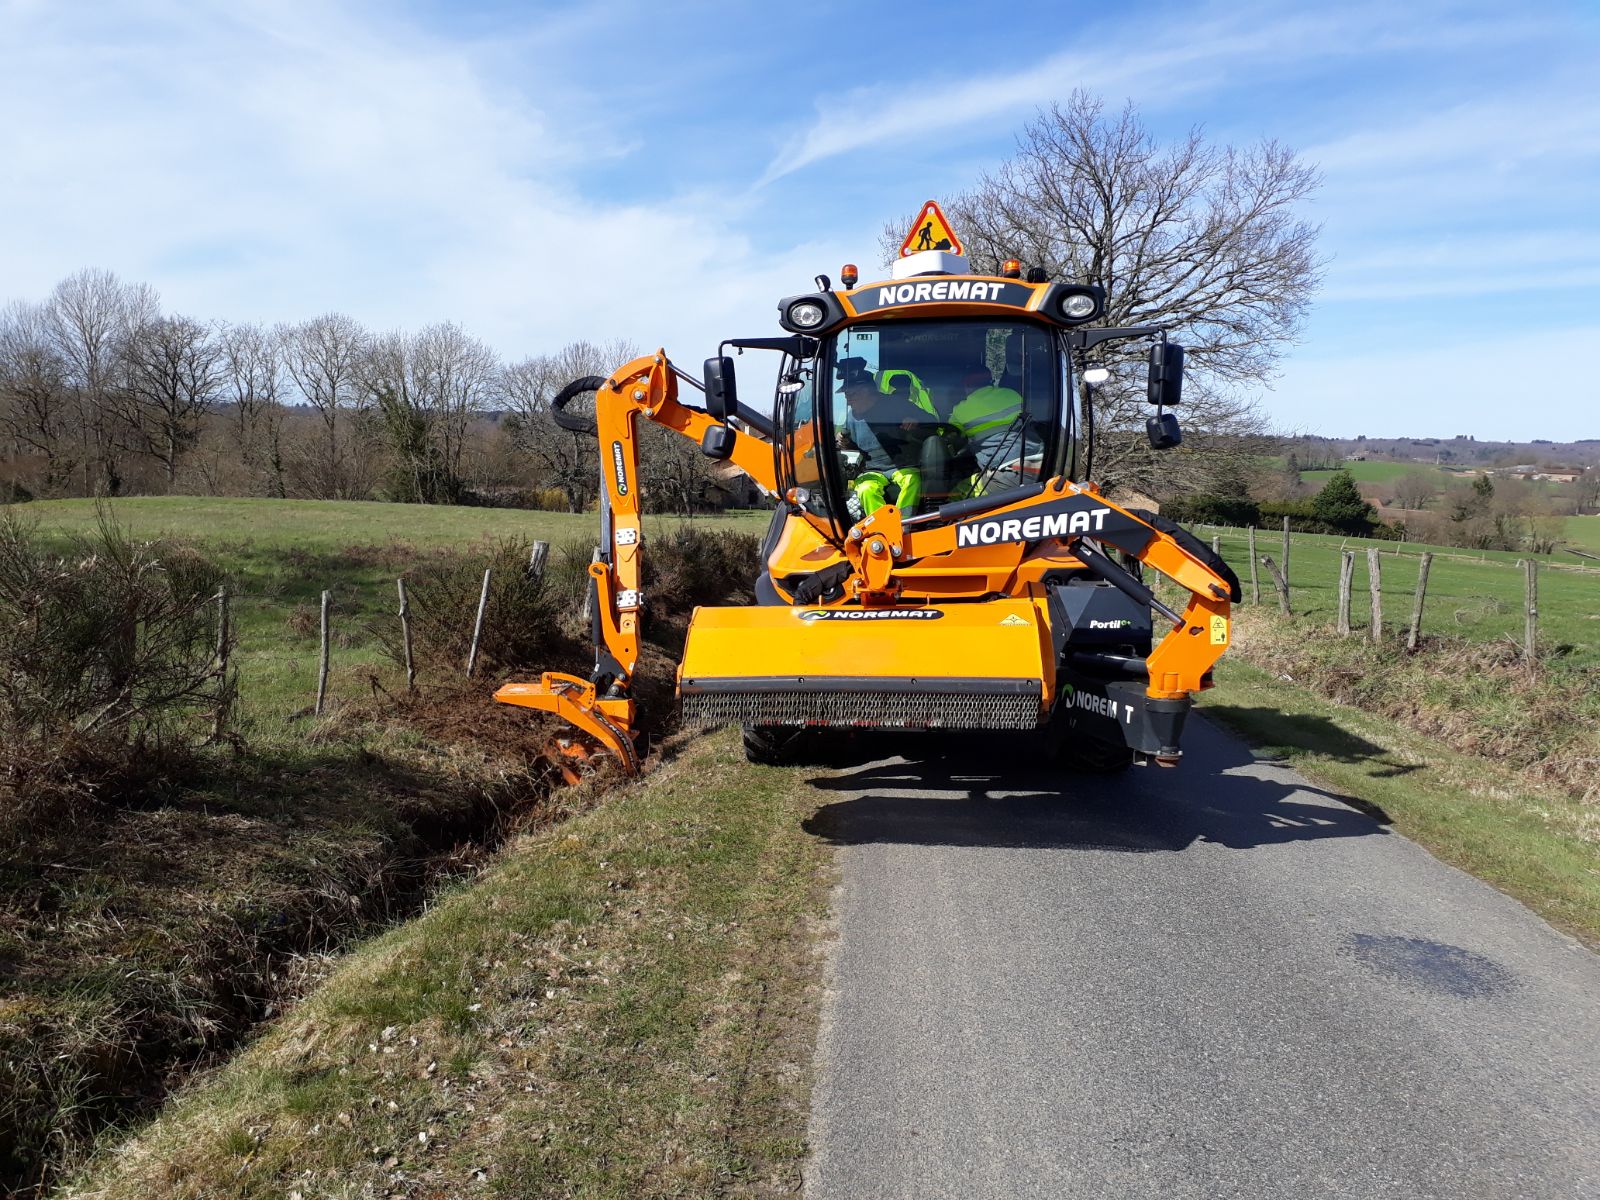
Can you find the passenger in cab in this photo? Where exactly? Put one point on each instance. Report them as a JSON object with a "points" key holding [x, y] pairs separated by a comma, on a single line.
{"points": [[994, 421]]}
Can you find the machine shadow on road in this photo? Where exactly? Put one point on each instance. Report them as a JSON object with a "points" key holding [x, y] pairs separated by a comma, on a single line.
{"points": [[964, 794]]}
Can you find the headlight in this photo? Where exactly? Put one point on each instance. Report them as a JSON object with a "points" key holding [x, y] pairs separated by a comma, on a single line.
{"points": [[1078, 306], [807, 314]]}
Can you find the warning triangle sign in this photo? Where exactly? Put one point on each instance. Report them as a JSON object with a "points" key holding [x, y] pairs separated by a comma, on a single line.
{"points": [[930, 231]]}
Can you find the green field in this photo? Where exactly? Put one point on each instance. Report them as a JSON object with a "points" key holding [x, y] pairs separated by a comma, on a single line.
{"points": [[282, 554], [1584, 532], [1470, 594], [1381, 472]]}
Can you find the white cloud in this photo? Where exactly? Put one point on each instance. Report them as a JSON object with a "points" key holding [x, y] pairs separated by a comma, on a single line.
{"points": [[271, 161], [1203, 52]]}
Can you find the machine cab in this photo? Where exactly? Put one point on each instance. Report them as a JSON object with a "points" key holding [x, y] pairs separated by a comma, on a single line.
{"points": [[930, 388], [921, 411]]}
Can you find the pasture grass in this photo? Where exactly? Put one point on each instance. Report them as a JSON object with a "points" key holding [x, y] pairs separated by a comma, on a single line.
{"points": [[1584, 532], [1382, 472], [1477, 595], [282, 554]]}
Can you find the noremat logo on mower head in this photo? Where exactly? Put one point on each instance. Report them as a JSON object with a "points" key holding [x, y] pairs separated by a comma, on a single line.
{"points": [[1033, 528], [871, 614]]}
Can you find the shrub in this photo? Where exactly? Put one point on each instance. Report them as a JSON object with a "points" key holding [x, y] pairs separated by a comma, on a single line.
{"points": [[1213, 510], [520, 621], [687, 565], [112, 641]]}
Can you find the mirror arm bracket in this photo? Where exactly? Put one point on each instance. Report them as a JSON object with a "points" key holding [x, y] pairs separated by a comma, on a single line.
{"points": [[1087, 339]]}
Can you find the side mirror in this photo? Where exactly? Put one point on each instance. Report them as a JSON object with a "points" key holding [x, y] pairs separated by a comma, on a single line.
{"points": [[1163, 431], [1166, 375], [717, 443], [722, 393]]}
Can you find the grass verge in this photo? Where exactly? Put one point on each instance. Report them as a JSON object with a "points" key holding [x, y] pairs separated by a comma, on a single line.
{"points": [[622, 1006], [1536, 842]]}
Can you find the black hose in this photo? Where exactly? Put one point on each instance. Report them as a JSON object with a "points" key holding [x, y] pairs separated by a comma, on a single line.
{"points": [[576, 422]]}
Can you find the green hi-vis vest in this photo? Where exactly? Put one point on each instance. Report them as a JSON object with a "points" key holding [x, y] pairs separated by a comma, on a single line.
{"points": [[987, 409], [918, 394]]}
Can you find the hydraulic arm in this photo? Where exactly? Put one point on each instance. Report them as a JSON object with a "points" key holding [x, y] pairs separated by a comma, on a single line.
{"points": [[602, 706]]}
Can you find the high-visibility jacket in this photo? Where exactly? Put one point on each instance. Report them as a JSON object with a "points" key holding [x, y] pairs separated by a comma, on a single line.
{"points": [[916, 391], [987, 412]]}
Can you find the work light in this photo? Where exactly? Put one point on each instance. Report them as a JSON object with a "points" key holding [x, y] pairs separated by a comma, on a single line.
{"points": [[806, 314]]}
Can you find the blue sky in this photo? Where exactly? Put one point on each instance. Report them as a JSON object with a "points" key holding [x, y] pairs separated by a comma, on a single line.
{"points": [[665, 172]]}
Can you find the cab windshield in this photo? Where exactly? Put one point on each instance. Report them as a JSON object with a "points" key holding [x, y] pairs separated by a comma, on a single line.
{"points": [[921, 413]]}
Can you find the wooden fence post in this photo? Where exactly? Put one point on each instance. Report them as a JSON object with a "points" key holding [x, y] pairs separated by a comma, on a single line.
{"points": [[219, 720], [536, 560], [1347, 574], [1216, 544], [477, 624], [1286, 550], [1255, 578], [1415, 632], [1375, 585], [405, 635], [322, 667], [587, 615], [1279, 582], [1530, 628]]}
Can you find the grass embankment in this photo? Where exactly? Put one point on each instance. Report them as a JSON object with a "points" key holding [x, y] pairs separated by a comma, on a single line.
{"points": [[1537, 842], [618, 1008], [155, 919]]}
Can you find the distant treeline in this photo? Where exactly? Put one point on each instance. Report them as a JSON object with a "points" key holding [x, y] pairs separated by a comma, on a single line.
{"points": [[102, 393]]}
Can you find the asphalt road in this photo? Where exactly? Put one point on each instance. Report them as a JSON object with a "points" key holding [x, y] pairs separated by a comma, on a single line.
{"points": [[1212, 982]]}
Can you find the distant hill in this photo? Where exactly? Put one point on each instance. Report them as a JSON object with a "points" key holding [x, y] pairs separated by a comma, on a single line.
{"points": [[1313, 452]]}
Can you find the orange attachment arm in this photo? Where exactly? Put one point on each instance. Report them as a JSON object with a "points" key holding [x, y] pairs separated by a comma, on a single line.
{"points": [[648, 387]]}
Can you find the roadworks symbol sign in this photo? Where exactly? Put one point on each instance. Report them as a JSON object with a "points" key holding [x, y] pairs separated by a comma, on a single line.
{"points": [[930, 231]]}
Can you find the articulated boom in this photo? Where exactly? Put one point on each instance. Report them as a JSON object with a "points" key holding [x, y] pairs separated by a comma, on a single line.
{"points": [[602, 707]]}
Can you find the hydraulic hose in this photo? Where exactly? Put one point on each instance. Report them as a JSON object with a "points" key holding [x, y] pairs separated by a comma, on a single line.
{"points": [[576, 422]]}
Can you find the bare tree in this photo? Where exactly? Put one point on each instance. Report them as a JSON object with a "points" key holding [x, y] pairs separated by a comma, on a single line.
{"points": [[462, 374], [34, 409], [324, 358], [1414, 489], [254, 380], [1588, 490], [91, 315], [427, 389], [564, 460], [174, 369], [1201, 240]]}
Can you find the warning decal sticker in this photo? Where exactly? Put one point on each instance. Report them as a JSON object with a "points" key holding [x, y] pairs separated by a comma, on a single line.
{"points": [[930, 231]]}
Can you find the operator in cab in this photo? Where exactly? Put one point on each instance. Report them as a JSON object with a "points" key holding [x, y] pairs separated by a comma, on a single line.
{"points": [[887, 429], [994, 421]]}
